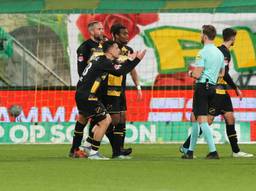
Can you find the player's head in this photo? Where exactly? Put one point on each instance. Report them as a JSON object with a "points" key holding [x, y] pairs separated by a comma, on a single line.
{"points": [[229, 34], [96, 30], [111, 48], [120, 33], [208, 33]]}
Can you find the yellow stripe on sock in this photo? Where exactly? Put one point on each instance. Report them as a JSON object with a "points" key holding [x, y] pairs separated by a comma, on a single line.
{"points": [[95, 146], [234, 135], [79, 132]]}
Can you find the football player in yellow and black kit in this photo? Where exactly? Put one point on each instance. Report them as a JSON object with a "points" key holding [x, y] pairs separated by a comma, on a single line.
{"points": [[114, 99], [88, 50], [221, 103], [88, 95]]}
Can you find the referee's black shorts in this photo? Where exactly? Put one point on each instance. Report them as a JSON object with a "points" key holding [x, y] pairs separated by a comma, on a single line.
{"points": [[220, 104], [203, 94]]}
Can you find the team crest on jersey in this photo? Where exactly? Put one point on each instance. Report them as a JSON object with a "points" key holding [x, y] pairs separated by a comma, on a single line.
{"points": [[80, 58], [117, 66]]}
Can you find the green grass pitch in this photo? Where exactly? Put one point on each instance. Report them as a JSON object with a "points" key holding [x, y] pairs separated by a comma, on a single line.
{"points": [[153, 168]]}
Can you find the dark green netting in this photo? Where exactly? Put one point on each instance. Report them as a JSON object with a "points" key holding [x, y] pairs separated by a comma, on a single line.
{"points": [[125, 6]]}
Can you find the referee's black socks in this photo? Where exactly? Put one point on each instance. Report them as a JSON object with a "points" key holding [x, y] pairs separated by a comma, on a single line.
{"points": [[231, 133], [78, 136]]}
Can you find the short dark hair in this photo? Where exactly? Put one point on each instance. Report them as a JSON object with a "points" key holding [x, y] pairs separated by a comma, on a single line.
{"points": [[91, 24], [107, 44], [209, 31], [228, 33], [116, 29]]}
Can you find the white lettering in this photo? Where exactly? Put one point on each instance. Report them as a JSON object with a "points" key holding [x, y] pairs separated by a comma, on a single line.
{"points": [[4, 117], [58, 136], [24, 132], [36, 131], [147, 133], [47, 115]]}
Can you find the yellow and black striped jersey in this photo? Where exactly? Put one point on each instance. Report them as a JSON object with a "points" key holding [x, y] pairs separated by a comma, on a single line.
{"points": [[117, 84], [96, 71]]}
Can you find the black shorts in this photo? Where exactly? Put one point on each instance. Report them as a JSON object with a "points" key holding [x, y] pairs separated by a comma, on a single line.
{"points": [[91, 109], [220, 104], [202, 97], [112, 103]]}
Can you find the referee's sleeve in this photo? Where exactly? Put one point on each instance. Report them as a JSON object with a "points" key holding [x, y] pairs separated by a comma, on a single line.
{"points": [[200, 60]]}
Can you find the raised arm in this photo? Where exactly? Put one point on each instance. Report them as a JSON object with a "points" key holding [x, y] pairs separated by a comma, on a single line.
{"points": [[127, 66]]}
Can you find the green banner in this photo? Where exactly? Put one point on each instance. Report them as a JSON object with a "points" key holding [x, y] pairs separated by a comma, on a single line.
{"points": [[126, 6], [139, 132]]}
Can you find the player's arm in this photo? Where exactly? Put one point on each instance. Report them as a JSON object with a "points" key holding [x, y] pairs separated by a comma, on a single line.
{"points": [[231, 83], [229, 80], [135, 79], [82, 59], [198, 70], [127, 66]]}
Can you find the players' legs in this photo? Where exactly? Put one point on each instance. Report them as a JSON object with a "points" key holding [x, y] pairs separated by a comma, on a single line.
{"points": [[203, 123], [201, 100], [184, 148], [78, 136], [101, 124], [122, 126], [112, 134], [232, 136], [231, 132]]}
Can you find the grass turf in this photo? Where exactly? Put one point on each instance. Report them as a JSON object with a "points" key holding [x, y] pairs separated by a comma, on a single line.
{"points": [[153, 167]]}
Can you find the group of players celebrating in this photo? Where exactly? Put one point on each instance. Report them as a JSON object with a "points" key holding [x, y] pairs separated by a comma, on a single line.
{"points": [[100, 95]]}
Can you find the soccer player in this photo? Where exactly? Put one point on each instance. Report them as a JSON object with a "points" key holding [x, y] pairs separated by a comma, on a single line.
{"points": [[88, 50], [114, 98], [209, 65], [87, 94], [221, 103]]}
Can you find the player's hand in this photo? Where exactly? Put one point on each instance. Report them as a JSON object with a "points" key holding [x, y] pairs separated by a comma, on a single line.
{"points": [[190, 73], [132, 56], [239, 93], [141, 54], [139, 95]]}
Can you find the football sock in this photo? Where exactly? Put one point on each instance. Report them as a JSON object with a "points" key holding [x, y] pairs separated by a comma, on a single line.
{"points": [[118, 135], [231, 133], [78, 136], [95, 145], [187, 142], [194, 136], [208, 136], [89, 139], [123, 128], [110, 136]]}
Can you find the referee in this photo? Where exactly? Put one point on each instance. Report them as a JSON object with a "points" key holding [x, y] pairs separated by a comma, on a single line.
{"points": [[209, 66], [221, 103]]}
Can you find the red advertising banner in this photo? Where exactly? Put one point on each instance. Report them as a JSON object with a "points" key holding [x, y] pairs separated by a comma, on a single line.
{"points": [[157, 105]]}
